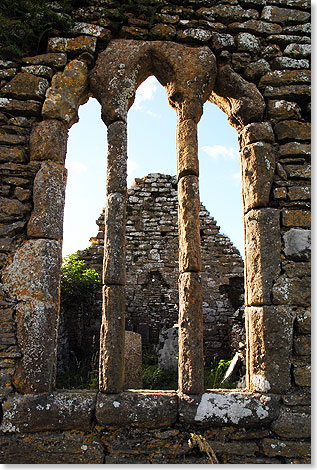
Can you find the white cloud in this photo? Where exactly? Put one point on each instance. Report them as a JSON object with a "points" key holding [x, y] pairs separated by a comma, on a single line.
{"points": [[220, 151], [154, 115], [145, 92], [237, 176], [76, 167]]}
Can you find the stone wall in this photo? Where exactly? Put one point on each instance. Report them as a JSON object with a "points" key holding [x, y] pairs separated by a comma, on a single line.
{"points": [[152, 268], [261, 49]]}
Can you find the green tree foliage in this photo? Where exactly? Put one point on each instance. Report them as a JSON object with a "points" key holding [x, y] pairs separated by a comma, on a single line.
{"points": [[78, 282]]}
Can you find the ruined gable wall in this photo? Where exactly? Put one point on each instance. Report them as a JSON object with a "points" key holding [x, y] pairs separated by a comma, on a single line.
{"points": [[267, 42], [152, 266]]}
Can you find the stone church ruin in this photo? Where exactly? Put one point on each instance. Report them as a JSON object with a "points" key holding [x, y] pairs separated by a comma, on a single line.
{"points": [[152, 274], [252, 59]]}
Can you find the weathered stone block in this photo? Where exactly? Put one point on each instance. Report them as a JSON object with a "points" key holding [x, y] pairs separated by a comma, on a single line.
{"points": [[25, 86], [39, 70], [295, 149], [296, 218], [19, 107], [9, 138], [117, 158], [303, 322], [34, 273], [292, 290], [91, 30], [163, 31], [297, 397], [190, 330], [282, 448], [292, 424], [302, 376], [285, 77], [22, 194], [196, 34], [263, 256], [232, 13], [256, 132], [284, 15], [67, 93], [12, 209], [281, 109], [188, 223], [297, 243], [141, 409], [298, 171], [187, 148], [226, 408], [292, 130], [248, 42], [257, 27], [52, 448], [37, 324], [52, 59], [72, 45], [258, 167], [302, 345], [48, 141], [115, 244], [255, 70], [283, 63], [288, 92], [298, 50], [48, 198], [270, 341], [133, 360], [111, 359], [57, 411], [222, 41]]}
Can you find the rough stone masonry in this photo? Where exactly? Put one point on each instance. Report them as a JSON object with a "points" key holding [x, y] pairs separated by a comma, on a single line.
{"points": [[251, 58]]}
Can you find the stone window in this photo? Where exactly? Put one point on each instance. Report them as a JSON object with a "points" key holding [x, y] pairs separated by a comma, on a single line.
{"points": [[190, 76]]}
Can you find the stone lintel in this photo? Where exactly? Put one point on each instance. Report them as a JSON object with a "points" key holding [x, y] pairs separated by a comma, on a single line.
{"points": [[141, 409], [57, 411], [224, 408]]}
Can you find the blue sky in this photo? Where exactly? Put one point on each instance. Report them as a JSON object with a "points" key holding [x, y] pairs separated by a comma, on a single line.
{"points": [[151, 149]]}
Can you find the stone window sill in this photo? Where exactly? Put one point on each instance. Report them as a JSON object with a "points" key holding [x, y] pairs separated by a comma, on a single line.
{"points": [[65, 410]]}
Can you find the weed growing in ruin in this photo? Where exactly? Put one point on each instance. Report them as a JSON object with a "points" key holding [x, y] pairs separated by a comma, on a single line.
{"points": [[214, 377]]}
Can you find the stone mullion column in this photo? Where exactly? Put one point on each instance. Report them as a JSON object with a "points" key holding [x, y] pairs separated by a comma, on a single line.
{"points": [[112, 333], [190, 370]]}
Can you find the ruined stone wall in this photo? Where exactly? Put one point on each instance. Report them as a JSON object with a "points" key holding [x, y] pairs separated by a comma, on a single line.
{"points": [[152, 267], [262, 49]]}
